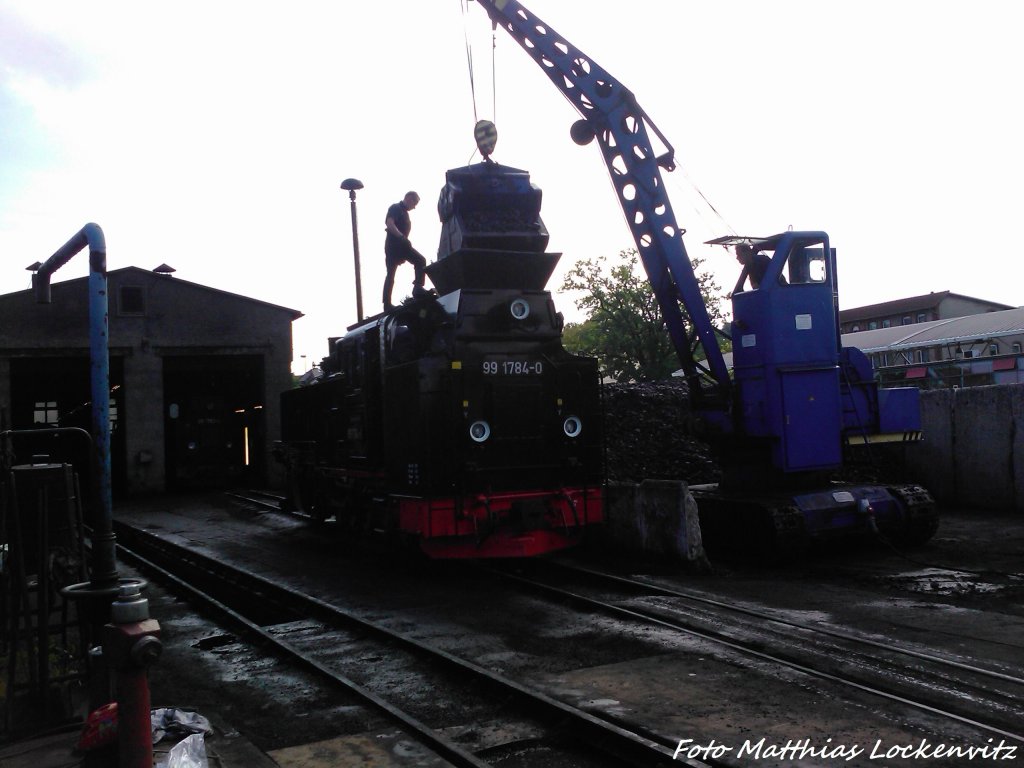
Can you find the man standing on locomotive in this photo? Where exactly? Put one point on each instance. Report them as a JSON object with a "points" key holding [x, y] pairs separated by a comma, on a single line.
{"points": [[398, 248]]}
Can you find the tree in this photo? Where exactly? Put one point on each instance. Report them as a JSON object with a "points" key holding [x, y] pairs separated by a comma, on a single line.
{"points": [[624, 329]]}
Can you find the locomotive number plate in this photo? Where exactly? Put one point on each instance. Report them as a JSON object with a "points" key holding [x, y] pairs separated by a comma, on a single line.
{"points": [[513, 367]]}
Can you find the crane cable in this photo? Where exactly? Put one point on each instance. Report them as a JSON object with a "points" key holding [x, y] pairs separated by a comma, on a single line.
{"points": [[700, 205], [494, 73], [714, 210], [464, 5]]}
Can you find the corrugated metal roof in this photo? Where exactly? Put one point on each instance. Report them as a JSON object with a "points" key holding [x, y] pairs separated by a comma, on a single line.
{"points": [[987, 325]]}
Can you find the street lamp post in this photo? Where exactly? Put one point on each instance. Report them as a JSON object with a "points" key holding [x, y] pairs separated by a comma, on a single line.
{"points": [[352, 185]]}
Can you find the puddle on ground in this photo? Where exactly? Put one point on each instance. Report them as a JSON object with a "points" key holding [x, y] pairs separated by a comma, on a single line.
{"points": [[937, 581]]}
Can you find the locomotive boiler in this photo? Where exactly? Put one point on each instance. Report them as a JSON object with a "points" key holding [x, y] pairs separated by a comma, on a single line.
{"points": [[458, 420]]}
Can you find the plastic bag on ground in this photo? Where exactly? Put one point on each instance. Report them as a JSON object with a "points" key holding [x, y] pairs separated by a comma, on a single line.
{"points": [[190, 752], [170, 721], [100, 729]]}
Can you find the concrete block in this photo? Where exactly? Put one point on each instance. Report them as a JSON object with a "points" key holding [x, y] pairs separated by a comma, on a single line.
{"points": [[972, 454], [655, 518], [1016, 427], [931, 463], [982, 446]]}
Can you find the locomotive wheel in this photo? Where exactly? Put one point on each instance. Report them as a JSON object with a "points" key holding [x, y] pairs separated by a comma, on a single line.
{"points": [[350, 514], [293, 498], [318, 508], [305, 496]]}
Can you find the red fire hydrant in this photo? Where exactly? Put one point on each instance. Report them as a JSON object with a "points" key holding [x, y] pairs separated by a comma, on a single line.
{"points": [[130, 645]]}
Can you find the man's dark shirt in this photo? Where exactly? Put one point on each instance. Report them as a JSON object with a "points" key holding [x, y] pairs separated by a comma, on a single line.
{"points": [[400, 216], [758, 266]]}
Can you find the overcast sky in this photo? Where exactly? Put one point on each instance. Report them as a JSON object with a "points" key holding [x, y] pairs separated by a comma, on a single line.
{"points": [[213, 136]]}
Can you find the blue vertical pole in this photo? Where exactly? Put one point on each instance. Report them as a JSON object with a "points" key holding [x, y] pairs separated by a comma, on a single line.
{"points": [[99, 367], [104, 567]]}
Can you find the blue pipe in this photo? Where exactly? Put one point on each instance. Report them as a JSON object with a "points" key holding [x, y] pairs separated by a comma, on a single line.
{"points": [[104, 570]]}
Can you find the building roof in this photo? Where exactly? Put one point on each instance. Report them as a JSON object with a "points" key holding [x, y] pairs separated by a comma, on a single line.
{"points": [[935, 333], [912, 304], [163, 275]]}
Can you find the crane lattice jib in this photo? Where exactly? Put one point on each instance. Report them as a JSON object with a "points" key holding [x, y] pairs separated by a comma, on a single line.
{"points": [[620, 126]]}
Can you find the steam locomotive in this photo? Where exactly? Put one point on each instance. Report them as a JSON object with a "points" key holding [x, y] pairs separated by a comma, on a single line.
{"points": [[458, 419]]}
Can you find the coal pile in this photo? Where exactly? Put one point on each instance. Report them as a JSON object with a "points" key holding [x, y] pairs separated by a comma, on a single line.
{"points": [[648, 435]]}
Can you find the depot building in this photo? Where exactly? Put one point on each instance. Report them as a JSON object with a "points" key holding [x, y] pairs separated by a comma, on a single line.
{"points": [[195, 379]]}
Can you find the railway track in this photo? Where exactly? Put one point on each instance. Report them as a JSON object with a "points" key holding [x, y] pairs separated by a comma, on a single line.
{"points": [[989, 698], [913, 683], [263, 501], [357, 654]]}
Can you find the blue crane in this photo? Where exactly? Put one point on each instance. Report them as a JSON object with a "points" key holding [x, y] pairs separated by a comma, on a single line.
{"points": [[796, 399]]}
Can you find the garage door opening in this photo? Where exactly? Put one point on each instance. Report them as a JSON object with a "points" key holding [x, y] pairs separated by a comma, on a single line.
{"points": [[213, 422]]}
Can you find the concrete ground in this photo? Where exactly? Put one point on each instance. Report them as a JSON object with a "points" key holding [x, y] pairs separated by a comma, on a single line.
{"points": [[965, 576]]}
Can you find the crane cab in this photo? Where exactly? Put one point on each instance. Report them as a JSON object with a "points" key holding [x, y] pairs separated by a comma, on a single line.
{"points": [[786, 351]]}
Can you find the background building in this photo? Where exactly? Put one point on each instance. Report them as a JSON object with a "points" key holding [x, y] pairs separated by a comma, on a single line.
{"points": [[916, 309], [195, 376], [963, 351], [939, 340]]}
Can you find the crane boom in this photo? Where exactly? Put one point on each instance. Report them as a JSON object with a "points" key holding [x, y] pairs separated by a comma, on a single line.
{"points": [[611, 115]]}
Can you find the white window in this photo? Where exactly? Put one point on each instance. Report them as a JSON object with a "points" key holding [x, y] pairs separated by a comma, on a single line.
{"points": [[46, 413]]}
